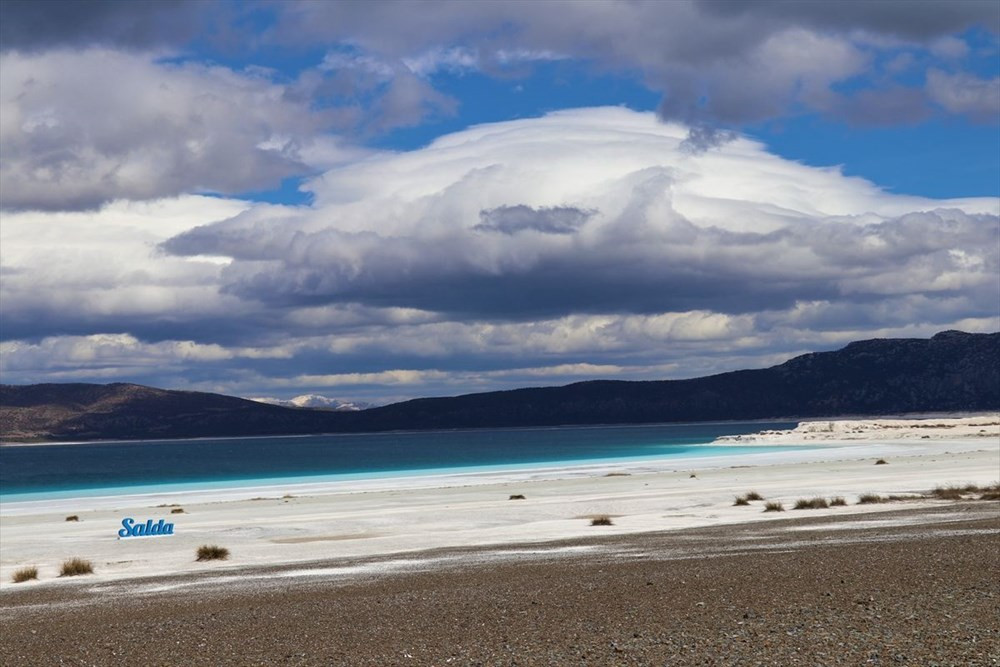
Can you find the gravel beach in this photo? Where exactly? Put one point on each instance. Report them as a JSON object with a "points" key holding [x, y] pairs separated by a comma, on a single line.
{"points": [[904, 587]]}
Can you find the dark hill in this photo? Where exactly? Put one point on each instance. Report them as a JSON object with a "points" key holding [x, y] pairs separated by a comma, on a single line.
{"points": [[953, 371], [131, 411]]}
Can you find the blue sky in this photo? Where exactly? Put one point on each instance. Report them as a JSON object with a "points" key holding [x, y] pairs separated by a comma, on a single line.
{"points": [[383, 200]]}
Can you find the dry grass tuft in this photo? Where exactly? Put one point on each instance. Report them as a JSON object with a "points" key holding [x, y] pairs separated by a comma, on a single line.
{"points": [[837, 501], [741, 500], [73, 517], [811, 504], [212, 552], [177, 510], [25, 574], [753, 495], [881, 462], [953, 492], [774, 507], [602, 520], [872, 498], [76, 566], [516, 496]]}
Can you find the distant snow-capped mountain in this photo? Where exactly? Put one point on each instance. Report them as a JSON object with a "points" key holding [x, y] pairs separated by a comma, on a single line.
{"points": [[314, 401]]}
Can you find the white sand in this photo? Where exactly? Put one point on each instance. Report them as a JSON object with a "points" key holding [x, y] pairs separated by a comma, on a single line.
{"points": [[367, 518], [985, 426]]}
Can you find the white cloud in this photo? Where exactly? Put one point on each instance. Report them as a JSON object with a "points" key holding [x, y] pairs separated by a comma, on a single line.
{"points": [[80, 128], [651, 228], [713, 61], [966, 94], [99, 271]]}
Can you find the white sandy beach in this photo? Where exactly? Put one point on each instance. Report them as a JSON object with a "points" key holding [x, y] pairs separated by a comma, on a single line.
{"points": [[368, 518]]}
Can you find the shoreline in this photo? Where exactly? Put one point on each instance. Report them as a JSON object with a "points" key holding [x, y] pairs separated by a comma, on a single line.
{"points": [[381, 518], [219, 490], [905, 416], [44, 443]]}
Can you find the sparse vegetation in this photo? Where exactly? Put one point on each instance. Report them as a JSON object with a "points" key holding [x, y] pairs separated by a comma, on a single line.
{"points": [[602, 520], [811, 504], [872, 498], [286, 496], [881, 462], [73, 517], [954, 492], [741, 500], [837, 501], [516, 496], [618, 474], [76, 566], [692, 476], [25, 574], [753, 495], [212, 552], [177, 510], [774, 507], [991, 493]]}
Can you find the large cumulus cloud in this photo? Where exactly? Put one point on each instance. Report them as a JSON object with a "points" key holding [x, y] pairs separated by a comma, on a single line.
{"points": [[600, 211]]}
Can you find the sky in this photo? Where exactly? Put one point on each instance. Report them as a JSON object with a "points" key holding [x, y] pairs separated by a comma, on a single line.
{"points": [[376, 201]]}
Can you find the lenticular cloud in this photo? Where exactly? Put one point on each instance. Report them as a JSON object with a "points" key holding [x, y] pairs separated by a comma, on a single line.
{"points": [[599, 211]]}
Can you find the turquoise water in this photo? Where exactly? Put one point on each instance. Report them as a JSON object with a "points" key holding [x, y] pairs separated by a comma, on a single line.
{"points": [[109, 468]]}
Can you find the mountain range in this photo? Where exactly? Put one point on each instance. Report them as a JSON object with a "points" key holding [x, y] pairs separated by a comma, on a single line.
{"points": [[951, 372]]}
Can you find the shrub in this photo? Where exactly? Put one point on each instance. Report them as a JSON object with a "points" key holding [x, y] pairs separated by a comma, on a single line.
{"points": [[741, 500], [73, 517], [774, 507], [992, 493], [952, 492], [881, 462], [177, 510], [871, 499], [25, 574], [837, 501], [212, 552], [516, 496], [76, 566], [753, 495], [812, 504], [602, 520]]}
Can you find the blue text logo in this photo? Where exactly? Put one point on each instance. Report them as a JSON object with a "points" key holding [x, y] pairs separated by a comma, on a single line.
{"points": [[132, 529]]}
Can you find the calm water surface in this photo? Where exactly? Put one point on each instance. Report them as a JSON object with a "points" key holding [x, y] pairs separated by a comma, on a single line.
{"points": [[60, 468]]}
